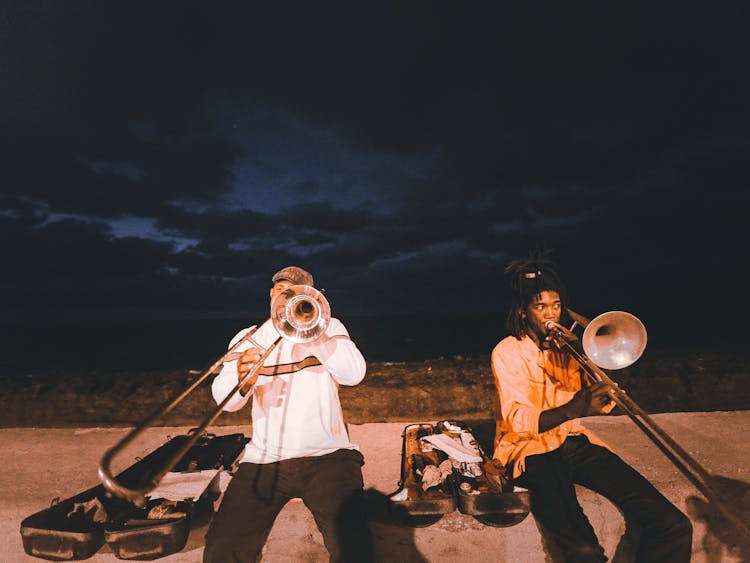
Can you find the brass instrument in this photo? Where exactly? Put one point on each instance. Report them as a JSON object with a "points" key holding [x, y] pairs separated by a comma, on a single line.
{"points": [[615, 340], [300, 314]]}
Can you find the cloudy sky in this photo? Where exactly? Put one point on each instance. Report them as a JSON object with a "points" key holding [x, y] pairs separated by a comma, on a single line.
{"points": [[163, 159]]}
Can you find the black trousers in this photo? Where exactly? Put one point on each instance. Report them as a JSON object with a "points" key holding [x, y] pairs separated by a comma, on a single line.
{"points": [[666, 533], [329, 485]]}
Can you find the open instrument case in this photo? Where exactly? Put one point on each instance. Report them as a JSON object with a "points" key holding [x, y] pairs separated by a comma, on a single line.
{"points": [[444, 468], [77, 527]]}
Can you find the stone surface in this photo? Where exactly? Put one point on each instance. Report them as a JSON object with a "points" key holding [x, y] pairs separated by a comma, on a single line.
{"points": [[45, 463], [457, 387]]}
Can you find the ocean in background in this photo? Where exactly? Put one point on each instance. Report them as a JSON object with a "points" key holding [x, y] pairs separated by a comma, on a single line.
{"points": [[172, 344], [145, 345]]}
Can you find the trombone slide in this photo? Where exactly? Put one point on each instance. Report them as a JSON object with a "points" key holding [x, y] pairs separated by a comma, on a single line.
{"points": [[300, 314], [629, 345], [138, 495]]}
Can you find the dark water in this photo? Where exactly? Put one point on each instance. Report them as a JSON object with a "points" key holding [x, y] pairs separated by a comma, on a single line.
{"points": [[196, 344]]}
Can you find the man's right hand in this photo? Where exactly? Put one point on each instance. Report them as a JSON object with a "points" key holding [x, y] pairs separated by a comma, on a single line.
{"points": [[578, 406], [590, 401], [245, 362], [601, 401]]}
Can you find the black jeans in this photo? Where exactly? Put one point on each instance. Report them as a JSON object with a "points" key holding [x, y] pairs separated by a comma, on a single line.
{"points": [[329, 485], [666, 533]]}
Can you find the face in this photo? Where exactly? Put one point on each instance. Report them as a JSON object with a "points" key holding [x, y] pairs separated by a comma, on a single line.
{"points": [[279, 287], [546, 306]]}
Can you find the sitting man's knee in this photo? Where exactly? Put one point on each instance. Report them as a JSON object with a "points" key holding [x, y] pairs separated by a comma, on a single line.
{"points": [[676, 526], [675, 529], [585, 553], [682, 527]]}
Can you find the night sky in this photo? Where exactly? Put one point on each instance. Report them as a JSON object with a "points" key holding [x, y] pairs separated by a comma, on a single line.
{"points": [[164, 159]]}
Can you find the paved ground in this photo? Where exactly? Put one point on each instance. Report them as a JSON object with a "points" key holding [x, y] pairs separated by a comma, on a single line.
{"points": [[45, 463]]}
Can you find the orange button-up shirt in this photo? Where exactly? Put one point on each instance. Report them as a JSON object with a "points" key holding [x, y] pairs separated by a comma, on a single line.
{"points": [[529, 381]]}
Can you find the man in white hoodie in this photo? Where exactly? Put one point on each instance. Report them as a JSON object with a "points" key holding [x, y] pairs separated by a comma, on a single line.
{"points": [[300, 447]]}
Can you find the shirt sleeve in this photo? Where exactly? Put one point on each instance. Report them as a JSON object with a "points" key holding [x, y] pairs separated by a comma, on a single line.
{"points": [[516, 391], [227, 380], [339, 354]]}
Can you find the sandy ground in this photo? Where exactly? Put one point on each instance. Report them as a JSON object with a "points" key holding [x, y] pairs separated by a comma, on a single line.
{"points": [[48, 463]]}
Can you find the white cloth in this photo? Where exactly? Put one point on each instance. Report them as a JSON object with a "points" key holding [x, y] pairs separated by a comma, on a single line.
{"points": [[183, 485], [458, 451], [296, 414]]}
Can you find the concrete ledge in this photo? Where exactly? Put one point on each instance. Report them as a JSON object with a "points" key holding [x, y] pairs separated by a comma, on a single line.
{"points": [[45, 463]]}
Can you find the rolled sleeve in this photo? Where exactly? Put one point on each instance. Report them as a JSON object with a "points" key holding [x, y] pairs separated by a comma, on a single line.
{"points": [[339, 355], [516, 391], [227, 378], [224, 383]]}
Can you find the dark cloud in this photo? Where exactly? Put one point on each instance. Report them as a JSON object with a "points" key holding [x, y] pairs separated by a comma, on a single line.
{"points": [[165, 161]]}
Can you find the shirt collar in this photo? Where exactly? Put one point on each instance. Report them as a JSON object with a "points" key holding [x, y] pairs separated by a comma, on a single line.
{"points": [[529, 349]]}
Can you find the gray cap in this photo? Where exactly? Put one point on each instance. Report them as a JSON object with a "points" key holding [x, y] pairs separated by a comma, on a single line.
{"points": [[296, 275]]}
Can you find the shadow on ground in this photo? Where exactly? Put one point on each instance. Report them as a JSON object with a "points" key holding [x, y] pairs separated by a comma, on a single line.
{"points": [[721, 539]]}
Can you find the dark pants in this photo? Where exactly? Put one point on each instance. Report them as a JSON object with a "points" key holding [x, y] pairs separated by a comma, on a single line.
{"points": [[666, 533], [329, 485]]}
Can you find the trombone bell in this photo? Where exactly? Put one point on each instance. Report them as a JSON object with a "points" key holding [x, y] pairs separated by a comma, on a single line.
{"points": [[300, 313], [614, 340]]}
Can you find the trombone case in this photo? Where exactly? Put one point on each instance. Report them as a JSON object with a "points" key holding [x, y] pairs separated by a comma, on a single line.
{"points": [[77, 527], [479, 489], [411, 504]]}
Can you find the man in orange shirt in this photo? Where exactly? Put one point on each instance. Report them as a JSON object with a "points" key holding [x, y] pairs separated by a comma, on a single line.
{"points": [[542, 442]]}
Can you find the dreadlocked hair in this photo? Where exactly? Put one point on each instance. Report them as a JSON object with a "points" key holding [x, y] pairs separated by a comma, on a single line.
{"points": [[528, 278]]}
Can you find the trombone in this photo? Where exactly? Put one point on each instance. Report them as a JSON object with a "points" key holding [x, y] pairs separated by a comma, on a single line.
{"points": [[615, 340], [300, 314]]}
